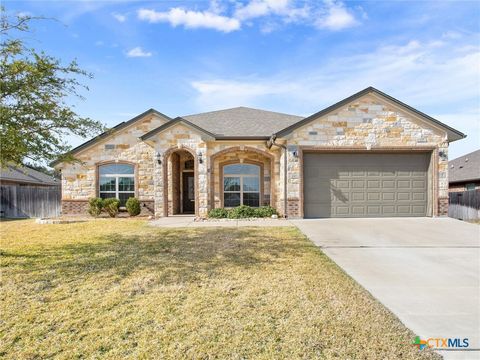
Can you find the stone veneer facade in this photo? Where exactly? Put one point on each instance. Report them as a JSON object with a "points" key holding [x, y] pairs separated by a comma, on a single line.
{"points": [[370, 123]]}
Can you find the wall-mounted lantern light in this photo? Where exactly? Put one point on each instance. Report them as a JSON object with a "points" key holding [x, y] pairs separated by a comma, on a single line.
{"points": [[158, 157], [443, 155], [200, 157]]}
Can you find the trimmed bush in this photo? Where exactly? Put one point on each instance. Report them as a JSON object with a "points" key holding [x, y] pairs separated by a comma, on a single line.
{"points": [[95, 206], [133, 206], [241, 212], [219, 213], [265, 211], [111, 206]]}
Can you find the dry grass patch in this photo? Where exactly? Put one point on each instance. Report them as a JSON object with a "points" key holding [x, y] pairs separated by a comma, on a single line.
{"points": [[120, 289]]}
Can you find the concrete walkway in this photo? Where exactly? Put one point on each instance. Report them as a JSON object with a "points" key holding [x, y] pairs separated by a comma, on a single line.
{"points": [[189, 221], [425, 270]]}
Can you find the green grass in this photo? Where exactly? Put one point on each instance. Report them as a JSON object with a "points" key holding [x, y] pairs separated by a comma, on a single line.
{"points": [[120, 289]]}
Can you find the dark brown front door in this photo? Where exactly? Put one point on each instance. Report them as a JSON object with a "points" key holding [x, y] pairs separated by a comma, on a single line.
{"points": [[188, 192]]}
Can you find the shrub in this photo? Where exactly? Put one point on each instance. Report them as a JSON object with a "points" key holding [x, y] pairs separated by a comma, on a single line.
{"points": [[111, 206], [95, 206], [265, 211], [218, 213], [133, 206], [240, 212]]}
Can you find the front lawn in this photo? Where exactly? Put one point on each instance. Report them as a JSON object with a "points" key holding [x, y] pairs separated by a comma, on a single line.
{"points": [[121, 289]]}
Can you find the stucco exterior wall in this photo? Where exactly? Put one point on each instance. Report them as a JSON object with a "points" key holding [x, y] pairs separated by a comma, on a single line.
{"points": [[368, 123]]}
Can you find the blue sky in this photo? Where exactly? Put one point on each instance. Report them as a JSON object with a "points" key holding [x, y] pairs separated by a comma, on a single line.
{"points": [[289, 56]]}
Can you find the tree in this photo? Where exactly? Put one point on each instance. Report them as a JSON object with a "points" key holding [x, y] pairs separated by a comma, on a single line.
{"points": [[34, 89]]}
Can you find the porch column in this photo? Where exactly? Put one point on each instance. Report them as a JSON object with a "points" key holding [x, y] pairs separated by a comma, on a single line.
{"points": [[158, 186], [202, 181], [293, 182]]}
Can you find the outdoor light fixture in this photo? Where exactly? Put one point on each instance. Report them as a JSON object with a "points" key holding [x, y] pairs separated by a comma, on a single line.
{"points": [[158, 157], [200, 157], [443, 155]]}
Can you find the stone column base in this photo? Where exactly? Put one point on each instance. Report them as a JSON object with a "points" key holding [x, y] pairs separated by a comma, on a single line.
{"points": [[442, 206]]}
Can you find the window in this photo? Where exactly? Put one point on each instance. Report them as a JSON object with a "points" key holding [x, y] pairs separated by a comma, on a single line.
{"points": [[470, 186], [241, 185], [116, 181]]}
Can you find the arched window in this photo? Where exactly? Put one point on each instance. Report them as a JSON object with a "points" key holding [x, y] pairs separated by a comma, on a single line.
{"points": [[116, 181], [241, 185]]}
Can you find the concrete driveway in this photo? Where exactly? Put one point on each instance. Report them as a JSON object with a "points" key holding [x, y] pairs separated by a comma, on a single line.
{"points": [[425, 270]]}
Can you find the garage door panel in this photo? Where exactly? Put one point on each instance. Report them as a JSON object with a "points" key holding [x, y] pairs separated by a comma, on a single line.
{"points": [[388, 210], [358, 210], [419, 184], [388, 196], [419, 196], [358, 196], [403, 184], [358, 184], [365, 185]]}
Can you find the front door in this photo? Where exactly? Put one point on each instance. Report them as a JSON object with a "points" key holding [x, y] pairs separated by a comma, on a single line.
{"points": [[188, 192]]}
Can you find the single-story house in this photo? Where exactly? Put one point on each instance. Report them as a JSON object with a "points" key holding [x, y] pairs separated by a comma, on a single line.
{"points": [[369, 155], [464, 172], [26, 192], [25, 176]]}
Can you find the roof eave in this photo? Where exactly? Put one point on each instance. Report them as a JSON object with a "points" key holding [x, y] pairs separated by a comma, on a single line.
{"points": [[224, 138], [475, 179]]}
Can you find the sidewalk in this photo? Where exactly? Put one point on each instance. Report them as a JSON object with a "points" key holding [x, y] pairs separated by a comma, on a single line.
{"points": [[189, 221]]}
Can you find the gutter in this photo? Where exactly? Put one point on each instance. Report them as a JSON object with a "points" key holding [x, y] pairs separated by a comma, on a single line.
{"points": [[271, 142]]}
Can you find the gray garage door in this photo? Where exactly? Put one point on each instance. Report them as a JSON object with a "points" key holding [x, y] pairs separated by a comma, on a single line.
{"points": [[365, 185]]}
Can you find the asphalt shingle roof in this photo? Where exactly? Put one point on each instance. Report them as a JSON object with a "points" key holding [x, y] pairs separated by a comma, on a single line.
{"points": [[242, 121], [26, 175], [464, 168]]}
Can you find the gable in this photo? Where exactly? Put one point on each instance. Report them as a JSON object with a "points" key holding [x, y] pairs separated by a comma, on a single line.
{"points": [[176, 134], [178, 122], [369, 121], [123, 134], [452, 134]]}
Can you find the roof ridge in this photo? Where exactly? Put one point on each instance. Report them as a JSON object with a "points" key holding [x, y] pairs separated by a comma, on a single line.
{"points": [[242, 107]]}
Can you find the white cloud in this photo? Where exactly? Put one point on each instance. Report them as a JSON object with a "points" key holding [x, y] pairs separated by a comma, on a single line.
{"points": [[285, 9], [119, 17], [419, 73], [335, 16], [191, 19], [138, 52], [329, 14]]}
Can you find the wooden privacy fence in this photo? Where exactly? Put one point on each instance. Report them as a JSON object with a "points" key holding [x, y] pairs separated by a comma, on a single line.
{"points": [[29, 201], [464, 205]]}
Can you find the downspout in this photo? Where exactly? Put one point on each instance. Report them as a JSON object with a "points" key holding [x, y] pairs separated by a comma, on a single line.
{"points": [[270, 143]]}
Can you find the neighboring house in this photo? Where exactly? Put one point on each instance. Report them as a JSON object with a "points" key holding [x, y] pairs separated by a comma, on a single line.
{"points": [[25, 192], [464, 172], [12, 175], [369, 155]]}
